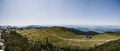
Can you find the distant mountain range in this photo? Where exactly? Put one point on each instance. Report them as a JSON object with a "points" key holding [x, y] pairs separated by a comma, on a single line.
{"points": [[99, 29]]}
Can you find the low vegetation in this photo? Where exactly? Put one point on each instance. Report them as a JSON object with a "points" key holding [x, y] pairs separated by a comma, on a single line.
{"points": [[58, 39], [110, 46], [61, 36]]}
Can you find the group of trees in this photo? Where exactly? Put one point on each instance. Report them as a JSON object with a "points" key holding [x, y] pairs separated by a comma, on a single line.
{"points": [[16, 42]]}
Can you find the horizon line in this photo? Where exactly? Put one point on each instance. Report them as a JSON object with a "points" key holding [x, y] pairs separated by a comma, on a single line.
{"points": [[61, 25]]}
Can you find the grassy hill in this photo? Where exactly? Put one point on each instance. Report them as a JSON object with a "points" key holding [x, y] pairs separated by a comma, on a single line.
{"points": [[110, 46], [61, 36]]}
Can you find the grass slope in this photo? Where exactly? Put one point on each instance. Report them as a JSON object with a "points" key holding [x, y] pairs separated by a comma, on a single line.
{"points": [[110, 46], [61, 36]]}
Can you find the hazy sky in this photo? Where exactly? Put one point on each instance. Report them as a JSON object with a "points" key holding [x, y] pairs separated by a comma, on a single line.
{"points": [[60, 12]]}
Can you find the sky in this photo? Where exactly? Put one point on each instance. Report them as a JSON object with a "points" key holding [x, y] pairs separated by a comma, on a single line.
{"points": [[59, 12]]}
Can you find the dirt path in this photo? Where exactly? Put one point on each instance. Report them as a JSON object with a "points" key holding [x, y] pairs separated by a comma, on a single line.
{"points": [[89, 40], [83, 40]]}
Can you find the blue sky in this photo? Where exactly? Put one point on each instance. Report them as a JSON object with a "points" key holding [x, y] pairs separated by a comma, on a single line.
{"points": [[60, 12]]}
